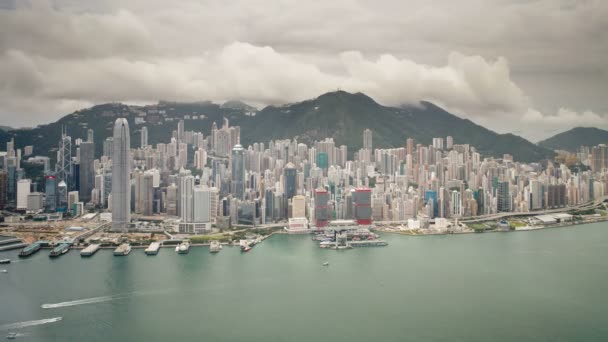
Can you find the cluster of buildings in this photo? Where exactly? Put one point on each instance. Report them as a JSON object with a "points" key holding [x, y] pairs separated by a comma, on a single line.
{"points": [[213, 180]]}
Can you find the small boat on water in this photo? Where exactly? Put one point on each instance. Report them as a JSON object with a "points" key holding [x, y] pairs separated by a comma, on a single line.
{"points": [[215, 246], [11, 336], [245, 248], [122, 250], [5, 261], [3, 271], [326, 263], [183, 248]]}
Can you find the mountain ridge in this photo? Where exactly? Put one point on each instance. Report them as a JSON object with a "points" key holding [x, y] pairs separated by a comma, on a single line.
{"points": [[339, 115], [572, 139]]}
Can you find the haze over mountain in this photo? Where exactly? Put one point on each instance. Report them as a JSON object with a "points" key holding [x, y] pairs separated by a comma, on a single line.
{"points": [[572, 139], [339, 115]]}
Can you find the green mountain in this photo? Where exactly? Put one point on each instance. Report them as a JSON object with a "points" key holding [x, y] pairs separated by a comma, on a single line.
{"points": [[340, 115], [573, 139]]}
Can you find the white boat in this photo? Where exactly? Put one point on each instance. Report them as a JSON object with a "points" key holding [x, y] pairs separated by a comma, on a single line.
{"points": [[215, 246], [326, 263], [183, 248], [3, 271], [11, 336]]}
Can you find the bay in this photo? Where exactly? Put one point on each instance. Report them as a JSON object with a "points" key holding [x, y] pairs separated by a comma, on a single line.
{"points": [[546, 285]]}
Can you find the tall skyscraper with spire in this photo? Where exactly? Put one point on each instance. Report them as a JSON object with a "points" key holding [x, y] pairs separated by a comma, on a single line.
{"points": [[121, 187]]}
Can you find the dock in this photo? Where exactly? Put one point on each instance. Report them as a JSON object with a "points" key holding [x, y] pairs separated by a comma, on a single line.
{"points": [[122, 250], [9, 241], [13, 246], [90, 250], [32, 248], [60, 250], [153, 248], [368, 243]]}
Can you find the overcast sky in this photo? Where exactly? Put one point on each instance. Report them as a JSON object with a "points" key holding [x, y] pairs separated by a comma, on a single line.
{"points": [[533, 68]]}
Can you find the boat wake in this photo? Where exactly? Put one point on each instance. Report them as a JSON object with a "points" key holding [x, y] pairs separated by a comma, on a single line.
{"points": [[20, 325], [102, 299], [79, 302]]}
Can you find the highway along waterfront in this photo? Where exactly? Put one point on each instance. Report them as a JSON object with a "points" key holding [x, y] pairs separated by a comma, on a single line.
{"points": [[545, 285]]}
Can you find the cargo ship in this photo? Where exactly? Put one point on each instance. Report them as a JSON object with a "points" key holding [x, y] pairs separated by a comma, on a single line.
{"points": [[183, 248], [122, 250], [90, 250], [153, 248], [59, 250]]}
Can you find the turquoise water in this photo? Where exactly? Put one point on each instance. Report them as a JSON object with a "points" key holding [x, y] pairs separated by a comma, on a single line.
{"points": [[547, 285]]}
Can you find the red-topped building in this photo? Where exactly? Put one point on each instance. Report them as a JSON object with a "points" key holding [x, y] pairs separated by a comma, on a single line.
{"points": [[362, 202]]}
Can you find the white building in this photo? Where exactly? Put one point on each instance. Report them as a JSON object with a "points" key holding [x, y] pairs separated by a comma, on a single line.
{"points": [[298, 206], [23, 190]]}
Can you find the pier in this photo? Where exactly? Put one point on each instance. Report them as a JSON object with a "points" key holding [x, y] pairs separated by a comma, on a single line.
{"points": [[9, 241], [13, 246], [90, 250], [33, 248], [153, 248]]}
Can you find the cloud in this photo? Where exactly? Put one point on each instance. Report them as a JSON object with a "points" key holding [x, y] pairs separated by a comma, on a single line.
{"points": [[469, 57]]}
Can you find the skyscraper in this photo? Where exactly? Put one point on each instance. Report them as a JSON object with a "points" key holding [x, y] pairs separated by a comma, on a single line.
{"points": [[144, 137], [50, 190], [367, 139], [503, 199], [237, 162], [64, 160], [87, 172], [362, 204], [90, 135], [121, 187], [3, 184], [289, 187], [321, 207]]}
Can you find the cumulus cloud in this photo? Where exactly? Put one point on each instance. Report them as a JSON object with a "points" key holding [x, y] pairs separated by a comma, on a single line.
{"points": [[59, 57]]}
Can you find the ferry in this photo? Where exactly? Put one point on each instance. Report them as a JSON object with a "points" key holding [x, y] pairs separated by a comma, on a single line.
{"points": [[31, 249], [215, 246], [59, 250], [90, 250], [5, 261], [153, 248], [122, 250], [183, 248]]}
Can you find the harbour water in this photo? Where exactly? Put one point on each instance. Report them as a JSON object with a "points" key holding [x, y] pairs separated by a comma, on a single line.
{"points": [[547, 285]]}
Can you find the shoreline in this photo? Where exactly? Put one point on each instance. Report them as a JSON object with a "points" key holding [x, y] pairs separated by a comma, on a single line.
{"points": [[522, 229]]}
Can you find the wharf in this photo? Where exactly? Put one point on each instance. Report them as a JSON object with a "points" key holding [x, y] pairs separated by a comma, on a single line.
{"points": [[368, 243], [153, 248], [13, 246], [90, 250], [33, 248], [9, 241]]}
